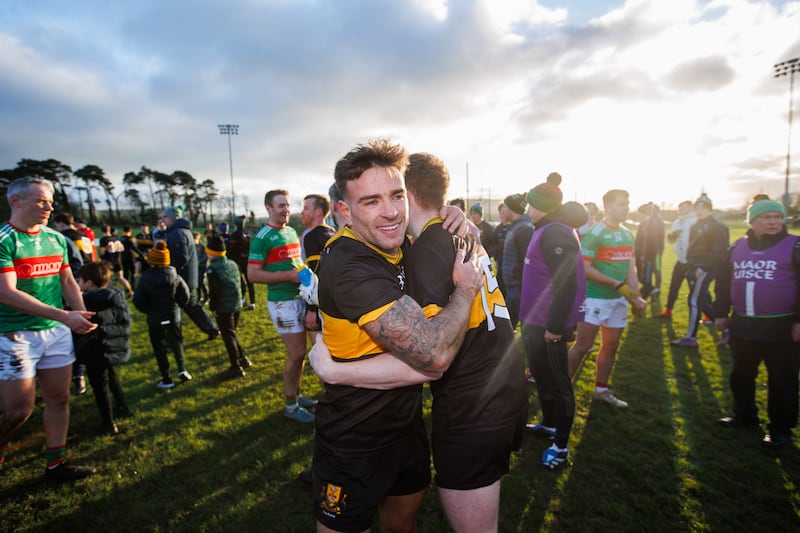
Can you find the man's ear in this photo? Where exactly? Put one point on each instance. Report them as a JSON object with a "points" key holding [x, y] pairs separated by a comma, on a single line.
{"points": [[344, 209]]}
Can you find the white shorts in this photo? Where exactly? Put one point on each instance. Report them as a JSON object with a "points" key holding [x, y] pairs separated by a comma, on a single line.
{"points": [[289, 316], [607, 313], [22, 353]]}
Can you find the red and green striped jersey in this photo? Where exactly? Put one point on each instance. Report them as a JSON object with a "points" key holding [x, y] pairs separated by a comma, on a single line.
{"points": [[276, 250], [609, 250], [37, 259]]}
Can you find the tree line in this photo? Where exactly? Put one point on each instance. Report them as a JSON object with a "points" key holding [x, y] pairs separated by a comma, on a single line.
{"points": [[147, 191]]}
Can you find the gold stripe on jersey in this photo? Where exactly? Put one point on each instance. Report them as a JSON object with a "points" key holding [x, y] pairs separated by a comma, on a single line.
{"points": [[346, 340], [374, 314], [431, 310], [431, 222], [348, 232], [477, 312]]}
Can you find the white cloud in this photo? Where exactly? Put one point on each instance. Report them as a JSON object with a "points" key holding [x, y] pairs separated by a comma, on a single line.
{"points": [[646, 93]]}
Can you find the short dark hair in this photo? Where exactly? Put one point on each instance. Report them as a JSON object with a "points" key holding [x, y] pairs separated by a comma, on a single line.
{"points": [[320, 202], [614, 195], [459, 203], [64, 218], [272, 194], [98, 272], [428, 178], [376, 153]]}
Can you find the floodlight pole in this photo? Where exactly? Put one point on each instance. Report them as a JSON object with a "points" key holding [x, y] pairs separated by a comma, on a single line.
{"points": [[230, 129], [783, 69]]}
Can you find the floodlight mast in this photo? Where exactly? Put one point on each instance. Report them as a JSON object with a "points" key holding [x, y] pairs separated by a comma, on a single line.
{"points": [[788, 68], [230, 129]]}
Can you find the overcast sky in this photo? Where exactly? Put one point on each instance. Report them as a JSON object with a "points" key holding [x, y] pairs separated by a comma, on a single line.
{"points": [[663, 97]]}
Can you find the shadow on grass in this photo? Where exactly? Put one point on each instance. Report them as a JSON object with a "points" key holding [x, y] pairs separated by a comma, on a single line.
{"points": [[724, 464], [232, 483]]}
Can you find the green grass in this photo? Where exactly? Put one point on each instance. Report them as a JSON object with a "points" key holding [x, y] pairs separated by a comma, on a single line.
{"points": [[216, 455]]}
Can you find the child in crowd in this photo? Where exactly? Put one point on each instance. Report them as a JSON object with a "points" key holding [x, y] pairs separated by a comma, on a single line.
{"points": [[202, 265], [160, 294], [224, 287], [106, 346]]}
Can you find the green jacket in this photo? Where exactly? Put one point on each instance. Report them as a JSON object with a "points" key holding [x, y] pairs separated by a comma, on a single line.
{"points": [[224, 285]]}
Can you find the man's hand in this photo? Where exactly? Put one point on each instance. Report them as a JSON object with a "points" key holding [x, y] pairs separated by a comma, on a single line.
{"points": [[634, 298], [320, 357], [78, 321], [551, 337], [796, 332], [722, 324], [310, 292], [311, 321], [454, 220], [467, 275]]}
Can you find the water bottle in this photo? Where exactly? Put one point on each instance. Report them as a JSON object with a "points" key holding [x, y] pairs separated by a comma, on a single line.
{"points": [[304, 273]]}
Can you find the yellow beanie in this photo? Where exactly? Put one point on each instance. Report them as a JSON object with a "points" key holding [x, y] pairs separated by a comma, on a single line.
{"points": [[159, 254]]}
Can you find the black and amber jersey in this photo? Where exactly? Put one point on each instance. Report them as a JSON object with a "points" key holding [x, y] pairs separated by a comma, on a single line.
{"points": [[82, 242], [357, 284], [484, 387], [313, 242]]}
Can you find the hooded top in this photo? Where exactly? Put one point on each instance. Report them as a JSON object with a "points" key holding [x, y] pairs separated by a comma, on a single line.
{"points": [[183, 252]]}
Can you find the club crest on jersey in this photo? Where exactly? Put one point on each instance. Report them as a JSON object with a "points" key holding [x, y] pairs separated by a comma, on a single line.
{"points": [[401, 278], [334, 500]]}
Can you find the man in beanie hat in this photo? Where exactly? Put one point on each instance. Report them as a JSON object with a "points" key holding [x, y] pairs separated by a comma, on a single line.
{"points": [[225, 294], [486, 230], [183, 253], [514, 249], [611, 284], [708, 245], [553, 290], [759, 280], [160, 294]]}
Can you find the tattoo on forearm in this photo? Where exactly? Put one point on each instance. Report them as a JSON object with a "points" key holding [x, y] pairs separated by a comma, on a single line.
{"points": [[421, 342]]}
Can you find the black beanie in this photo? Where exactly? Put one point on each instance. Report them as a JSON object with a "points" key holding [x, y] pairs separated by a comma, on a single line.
{"points": [[215, 246], [516, 202]]}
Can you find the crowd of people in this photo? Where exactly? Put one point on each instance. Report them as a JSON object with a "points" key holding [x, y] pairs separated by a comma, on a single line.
{"points": [[395, 286]]}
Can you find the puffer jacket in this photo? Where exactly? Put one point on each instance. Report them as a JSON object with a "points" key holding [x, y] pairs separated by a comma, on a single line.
{"points": [[182, 251], [224, 285], [160, 294], [113, 318]]}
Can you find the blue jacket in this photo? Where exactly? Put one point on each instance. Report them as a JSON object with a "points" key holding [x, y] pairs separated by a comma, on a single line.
{"points": [[183, 254]]}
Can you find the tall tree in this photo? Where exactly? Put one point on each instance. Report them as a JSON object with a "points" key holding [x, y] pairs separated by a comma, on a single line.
{"points": [[144, 176], [6, 177], [135, 198], [206, 194], [166, 188], [189, 192], [60, 174], [92, 175]]}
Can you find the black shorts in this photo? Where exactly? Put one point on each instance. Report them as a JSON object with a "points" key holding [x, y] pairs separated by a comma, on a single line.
{"points": [[466, 461], [348, 489]]}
